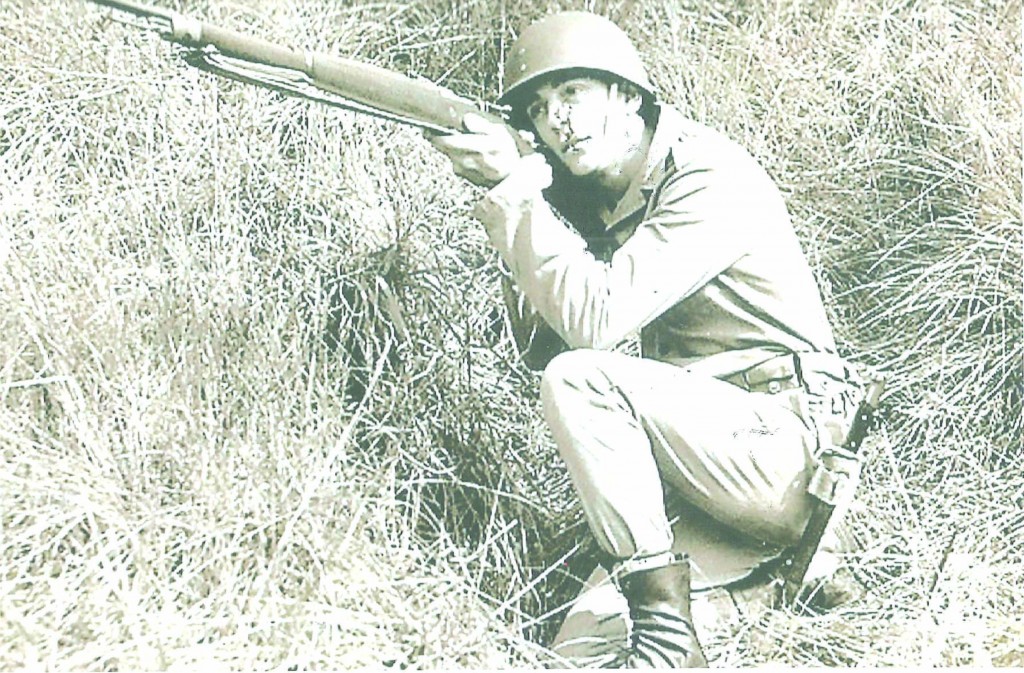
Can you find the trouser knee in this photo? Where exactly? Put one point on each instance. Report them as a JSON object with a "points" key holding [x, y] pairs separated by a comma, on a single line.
{"points": [[570, 374], [578, 397]]}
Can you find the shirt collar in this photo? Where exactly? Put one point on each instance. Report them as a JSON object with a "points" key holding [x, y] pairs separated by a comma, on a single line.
{"points": [[666, 134]]}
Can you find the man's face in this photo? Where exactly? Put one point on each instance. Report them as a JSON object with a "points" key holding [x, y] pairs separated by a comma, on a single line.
{"points": [[583, 121]]}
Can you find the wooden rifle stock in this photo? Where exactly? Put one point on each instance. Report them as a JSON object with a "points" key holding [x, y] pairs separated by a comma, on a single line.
{"points": [[334, 80]]}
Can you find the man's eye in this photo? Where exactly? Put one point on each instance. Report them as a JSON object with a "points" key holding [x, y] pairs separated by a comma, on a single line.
{"points": [[535, 110], [571, 89]]}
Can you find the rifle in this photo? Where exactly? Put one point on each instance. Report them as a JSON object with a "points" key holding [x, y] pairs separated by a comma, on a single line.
{"points": [[340, 82], [794, 568]]}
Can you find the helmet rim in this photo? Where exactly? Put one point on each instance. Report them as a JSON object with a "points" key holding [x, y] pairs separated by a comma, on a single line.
{"points": [[565, 41]]}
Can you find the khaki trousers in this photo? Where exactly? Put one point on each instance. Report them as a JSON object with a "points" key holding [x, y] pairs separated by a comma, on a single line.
{"points": [[649, 444], [633, 430]]}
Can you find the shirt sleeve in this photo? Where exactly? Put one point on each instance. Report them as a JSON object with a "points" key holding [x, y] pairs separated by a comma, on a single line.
{"points": [[535, 341], [692, 232]]}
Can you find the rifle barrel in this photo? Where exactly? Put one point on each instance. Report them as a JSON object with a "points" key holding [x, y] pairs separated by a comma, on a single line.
{"points": [[367, 85]]}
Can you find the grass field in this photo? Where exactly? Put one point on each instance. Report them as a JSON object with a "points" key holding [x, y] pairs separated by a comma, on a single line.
{"points": [[258, 407]]}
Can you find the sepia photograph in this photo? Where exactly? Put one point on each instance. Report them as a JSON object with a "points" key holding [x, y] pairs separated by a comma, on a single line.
{"points": [[486, 334]]}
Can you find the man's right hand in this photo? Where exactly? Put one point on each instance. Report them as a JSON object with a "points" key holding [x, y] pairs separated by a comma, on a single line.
{"points": [[485, 154]]}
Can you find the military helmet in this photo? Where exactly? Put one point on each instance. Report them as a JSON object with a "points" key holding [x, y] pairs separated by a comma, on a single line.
{"points": [[570, 41]]}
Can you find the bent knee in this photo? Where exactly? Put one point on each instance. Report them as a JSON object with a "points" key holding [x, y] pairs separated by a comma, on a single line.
{"points": [[569, 370]]}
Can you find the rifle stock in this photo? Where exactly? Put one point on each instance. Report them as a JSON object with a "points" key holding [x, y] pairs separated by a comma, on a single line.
{"points": [[334, 80]]}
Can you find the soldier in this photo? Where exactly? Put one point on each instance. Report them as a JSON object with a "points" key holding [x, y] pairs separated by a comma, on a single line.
{"points": [[633, 219]]}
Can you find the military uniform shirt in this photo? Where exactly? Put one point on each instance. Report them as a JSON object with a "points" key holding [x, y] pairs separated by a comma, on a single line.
{"points": [[699, 254]]}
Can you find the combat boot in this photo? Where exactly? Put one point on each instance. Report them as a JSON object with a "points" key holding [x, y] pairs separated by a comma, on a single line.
{"points": [[659, 606]]}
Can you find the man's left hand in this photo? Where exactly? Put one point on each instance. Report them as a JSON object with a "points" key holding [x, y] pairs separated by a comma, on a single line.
{"points": [[485, 154]]}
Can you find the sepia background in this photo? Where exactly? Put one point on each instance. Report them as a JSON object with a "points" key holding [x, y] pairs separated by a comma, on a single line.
{"points": [[259, 407]]}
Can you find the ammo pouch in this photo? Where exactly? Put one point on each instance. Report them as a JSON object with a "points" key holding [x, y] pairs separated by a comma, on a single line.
{"points": [[834, 393]]}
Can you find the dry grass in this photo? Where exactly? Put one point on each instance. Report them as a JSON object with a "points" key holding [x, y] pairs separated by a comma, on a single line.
{"points": [[258, 406]]}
